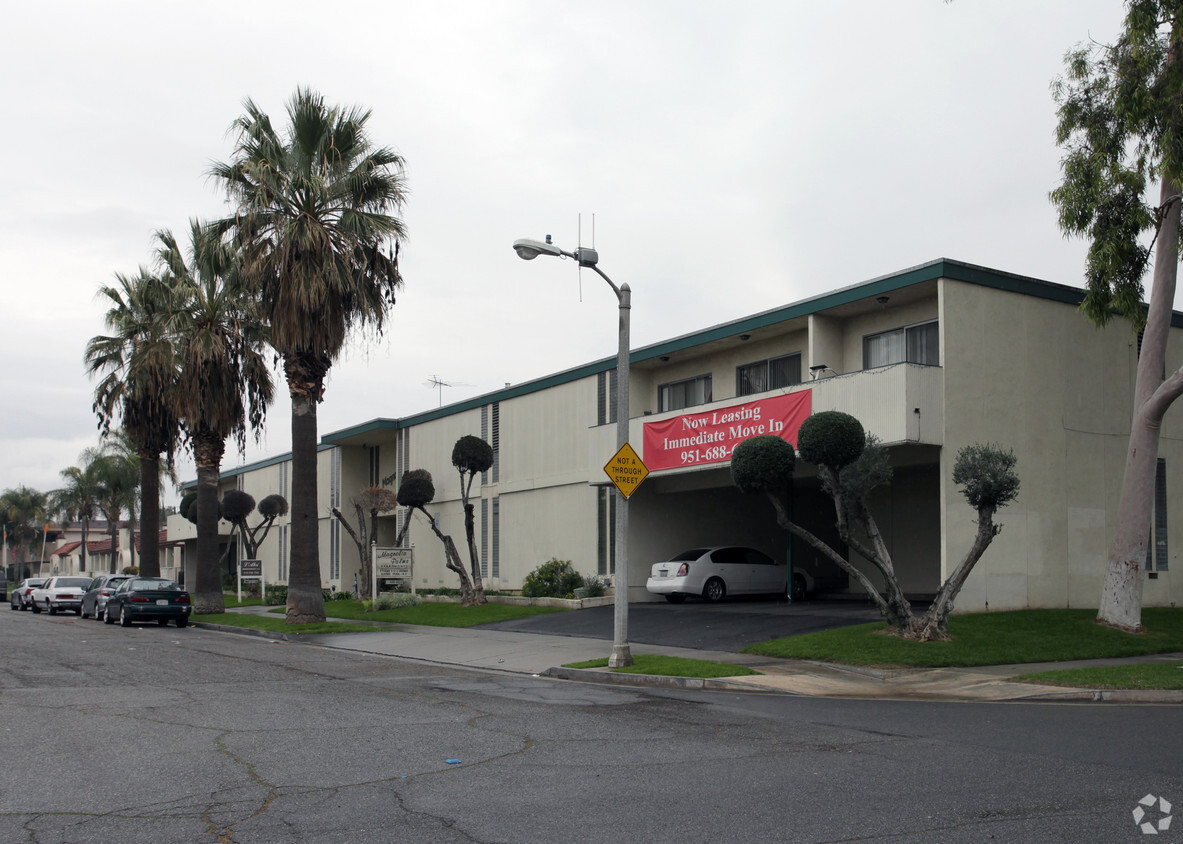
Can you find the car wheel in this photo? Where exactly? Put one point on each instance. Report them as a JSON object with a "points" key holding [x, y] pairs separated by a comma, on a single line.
{"points": [[33, 606], [107, 615], [50, 608], [675, 598], [714, 590], [124, 618], [182, 622], [83, 613], [798, 588]]}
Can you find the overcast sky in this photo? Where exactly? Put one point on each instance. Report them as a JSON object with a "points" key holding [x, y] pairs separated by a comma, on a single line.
{"points": [[736, 155]]}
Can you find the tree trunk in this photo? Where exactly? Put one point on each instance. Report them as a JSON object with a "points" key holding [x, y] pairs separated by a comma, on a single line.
{"points": [[474, 556], [207, 587], [896, 620], [1121, 595], [452, 560], [305, 603], [150, 515], [934, 624], [363, 587]]}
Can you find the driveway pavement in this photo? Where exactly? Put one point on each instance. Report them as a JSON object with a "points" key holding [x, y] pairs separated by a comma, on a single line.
{"points": [[727, 626]]}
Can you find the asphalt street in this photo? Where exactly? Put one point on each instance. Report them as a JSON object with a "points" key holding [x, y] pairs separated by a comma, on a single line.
{"points": [[166, 735]]}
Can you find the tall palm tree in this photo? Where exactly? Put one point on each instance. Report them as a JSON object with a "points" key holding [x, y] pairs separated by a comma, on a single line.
{"points": [[314, 222], [79, 498], [139, 365], [118, 475], [224, 382]]}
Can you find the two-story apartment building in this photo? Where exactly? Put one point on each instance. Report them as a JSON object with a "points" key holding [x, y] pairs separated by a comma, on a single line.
{"points": [[930, 359]]}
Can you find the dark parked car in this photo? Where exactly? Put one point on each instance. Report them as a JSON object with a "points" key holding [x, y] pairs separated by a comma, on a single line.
{"points": [[99, 591], [148, 599], [22, 593]]}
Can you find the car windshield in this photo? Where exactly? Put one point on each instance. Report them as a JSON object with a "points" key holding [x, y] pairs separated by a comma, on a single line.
{"points": [[73, 581], [692, 554]]}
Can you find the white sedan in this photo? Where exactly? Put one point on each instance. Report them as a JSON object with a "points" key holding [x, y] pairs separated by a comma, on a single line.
{"points": [[716, 572], [60, 593]]}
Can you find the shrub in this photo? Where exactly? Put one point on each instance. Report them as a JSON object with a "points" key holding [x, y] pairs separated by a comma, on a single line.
{"points": [[276, 596], [831, 438], [594, 586], [763, 464], [552, 579], [396, 600], [131, 569]]}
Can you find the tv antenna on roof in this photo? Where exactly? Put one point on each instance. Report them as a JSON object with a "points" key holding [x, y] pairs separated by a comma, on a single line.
{"points": [[439, 383]]}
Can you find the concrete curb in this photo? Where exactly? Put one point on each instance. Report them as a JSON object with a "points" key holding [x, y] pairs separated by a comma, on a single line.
{"points": [[609, 678]]}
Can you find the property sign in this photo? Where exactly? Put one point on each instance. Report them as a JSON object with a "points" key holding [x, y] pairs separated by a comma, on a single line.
{"points": [[393, 562], [626, 470], [711, 435], [250, 568]]}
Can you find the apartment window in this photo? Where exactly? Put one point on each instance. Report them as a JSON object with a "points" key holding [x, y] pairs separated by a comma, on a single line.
{"points": [[911, 344], [335, 478], [606, 397], [491, 433], [606, 531], [1156, 551], [334, 549], [375, 466], [764, 375], [679, 394]]}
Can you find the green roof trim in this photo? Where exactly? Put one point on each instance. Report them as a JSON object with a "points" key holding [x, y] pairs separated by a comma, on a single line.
{"points": [[931, 271]]}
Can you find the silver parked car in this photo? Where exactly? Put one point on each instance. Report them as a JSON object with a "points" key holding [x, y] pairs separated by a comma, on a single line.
{"points": [[716, 572], [22, 593], [99, 592]]}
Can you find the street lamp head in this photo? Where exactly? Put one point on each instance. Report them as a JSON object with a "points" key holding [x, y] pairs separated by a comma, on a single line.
{"points": [[528, 250]]}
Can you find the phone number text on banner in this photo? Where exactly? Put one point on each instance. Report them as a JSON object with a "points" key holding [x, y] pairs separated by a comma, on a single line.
{"points": [[710, 436]]}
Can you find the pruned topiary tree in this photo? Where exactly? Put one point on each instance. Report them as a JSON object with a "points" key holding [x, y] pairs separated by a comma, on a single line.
{"points": [[372, 500], [471, 456], [237, 505], [416, 490], [851, 464]]}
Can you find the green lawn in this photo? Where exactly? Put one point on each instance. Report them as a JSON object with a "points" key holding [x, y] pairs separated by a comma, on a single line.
{"points": [[1160, 675], [671, 666], [998, 638]]}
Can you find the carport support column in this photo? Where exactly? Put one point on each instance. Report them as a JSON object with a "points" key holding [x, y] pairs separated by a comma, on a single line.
{"points": [[621, 654]]}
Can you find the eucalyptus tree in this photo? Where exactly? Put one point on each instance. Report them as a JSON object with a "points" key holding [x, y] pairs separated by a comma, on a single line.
{"points": [[1120, 125], [223, 385], [317, 232], [138, 367]]}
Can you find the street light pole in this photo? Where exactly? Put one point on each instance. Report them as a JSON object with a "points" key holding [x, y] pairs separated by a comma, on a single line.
{"points": [[528, 250]]}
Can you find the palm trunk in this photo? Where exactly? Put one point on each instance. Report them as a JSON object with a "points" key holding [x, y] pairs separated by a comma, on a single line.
{"points": [[1121, 595], [150, 515], [207, 588], [305, 603]]}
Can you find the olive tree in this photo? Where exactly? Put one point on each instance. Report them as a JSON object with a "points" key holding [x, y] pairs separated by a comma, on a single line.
{"points": [[416, 490], [851, 464], [371, 500], [471, 456]]}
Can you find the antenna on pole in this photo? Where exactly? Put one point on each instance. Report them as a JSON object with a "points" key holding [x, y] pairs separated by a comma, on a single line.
{"points": [[439, 384]]}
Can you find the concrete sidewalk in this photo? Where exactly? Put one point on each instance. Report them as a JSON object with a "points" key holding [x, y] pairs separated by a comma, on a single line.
{"points": [[544, 655]]}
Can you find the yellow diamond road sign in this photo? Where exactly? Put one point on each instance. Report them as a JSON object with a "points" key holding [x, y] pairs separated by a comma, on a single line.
{"points": [[626, 470]]}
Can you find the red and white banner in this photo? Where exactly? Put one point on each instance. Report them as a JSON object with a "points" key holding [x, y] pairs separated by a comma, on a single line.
{"points": [[710, 436]]}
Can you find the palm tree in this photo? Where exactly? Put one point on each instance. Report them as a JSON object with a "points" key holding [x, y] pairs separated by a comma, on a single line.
{"points": [[139, 363], [79, 498], [319, 247], [224, 382], [118, 475], [24, 512]]}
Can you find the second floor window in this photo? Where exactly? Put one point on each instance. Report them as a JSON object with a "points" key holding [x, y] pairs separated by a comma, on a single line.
{"points": [[913, 344], [679, 394], [766, 375]]}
